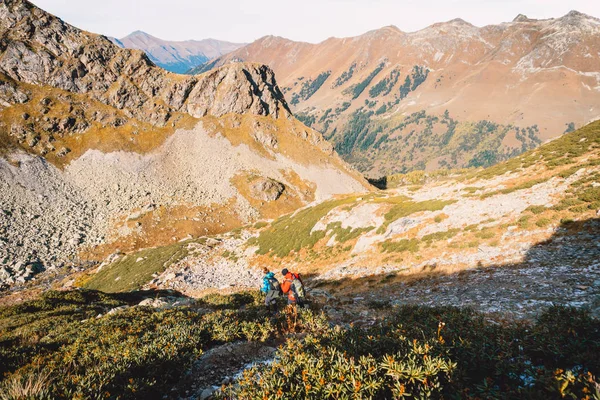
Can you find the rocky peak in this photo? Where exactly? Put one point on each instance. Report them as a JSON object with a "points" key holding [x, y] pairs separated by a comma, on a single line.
{"points": [[459, 21], [138, 33], [38, 48], [385, 32], [270, 40], [576, 14], [521, 18], [578, 20]]}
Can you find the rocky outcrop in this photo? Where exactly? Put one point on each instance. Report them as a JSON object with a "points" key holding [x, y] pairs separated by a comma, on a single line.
{"points": [[267, 189], [11, 94], [38, 48]]}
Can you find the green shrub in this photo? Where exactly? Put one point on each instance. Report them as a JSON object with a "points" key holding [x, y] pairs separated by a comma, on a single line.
{"points": [[437, 236], [390, 246], [471, 228], [565, 203], [580, 209], [306, 118], [132, 271], [406, 208], [344, 77], [386, 85], [589, 194], [413, 81], [523, 222], [440, 352], [542, 222], [310, 87], [342, 235], [536, 209], [260, 225], [137, 352], [381, 110], [356, 90], [485, 234]]}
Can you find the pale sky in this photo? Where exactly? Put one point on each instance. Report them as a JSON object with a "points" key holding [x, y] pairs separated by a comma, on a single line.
{"points": [[308, 20]]}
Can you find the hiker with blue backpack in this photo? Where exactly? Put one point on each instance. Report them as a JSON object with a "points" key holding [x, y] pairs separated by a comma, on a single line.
{"points": [[272, 289], [294, 288]]}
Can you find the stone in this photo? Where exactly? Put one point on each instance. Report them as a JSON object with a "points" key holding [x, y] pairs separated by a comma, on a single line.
{"points": [[169, 276], [206, 393], [116, 310], [266, 189], [266, 139]]}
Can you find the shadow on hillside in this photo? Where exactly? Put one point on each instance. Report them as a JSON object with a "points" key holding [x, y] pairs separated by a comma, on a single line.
{"points": [[139, 295], [560, 270], [379, 183], [89, 296]]}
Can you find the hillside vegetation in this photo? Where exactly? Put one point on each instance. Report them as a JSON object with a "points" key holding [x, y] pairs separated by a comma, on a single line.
{"points": [[379, 144], [501, 240], [60, 347]]}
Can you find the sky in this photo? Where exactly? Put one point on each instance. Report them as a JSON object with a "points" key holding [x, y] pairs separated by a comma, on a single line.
{"points": [[306, 20]]}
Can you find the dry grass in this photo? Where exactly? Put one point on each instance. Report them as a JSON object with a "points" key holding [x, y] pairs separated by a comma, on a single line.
{"points": [[32, 385], [132, 135], [168, 225]]}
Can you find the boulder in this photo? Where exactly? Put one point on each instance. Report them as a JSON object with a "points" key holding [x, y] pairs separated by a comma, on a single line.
{"points": [[266, 189]]}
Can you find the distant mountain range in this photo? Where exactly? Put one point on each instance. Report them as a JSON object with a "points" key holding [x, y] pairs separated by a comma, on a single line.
{"points": [[448, 96], [176, 56]]}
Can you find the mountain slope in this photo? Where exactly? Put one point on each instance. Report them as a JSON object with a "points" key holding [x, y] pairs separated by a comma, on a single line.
{"points": [[100, 150], [495, 91], [513, 238], [176, 56]]}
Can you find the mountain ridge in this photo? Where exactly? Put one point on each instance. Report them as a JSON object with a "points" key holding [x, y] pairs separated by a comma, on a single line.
{"points": [[176, 56], [538, 75]]}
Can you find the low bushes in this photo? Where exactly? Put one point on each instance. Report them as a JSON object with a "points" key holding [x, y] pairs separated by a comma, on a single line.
{"points": [[438, 352], [137, 352], [55, 347]]}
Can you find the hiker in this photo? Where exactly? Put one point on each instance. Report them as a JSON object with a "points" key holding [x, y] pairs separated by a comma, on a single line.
{"points": [[272, 289], [294, 288]]}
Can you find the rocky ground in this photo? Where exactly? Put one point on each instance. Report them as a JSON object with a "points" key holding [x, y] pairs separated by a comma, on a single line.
{"points": [[43, 220], [563, 271], [220, 264], [221, 365]]}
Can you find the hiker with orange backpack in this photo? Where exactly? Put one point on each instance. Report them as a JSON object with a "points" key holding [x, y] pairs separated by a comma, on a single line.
{"points": [[294, 288]]}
